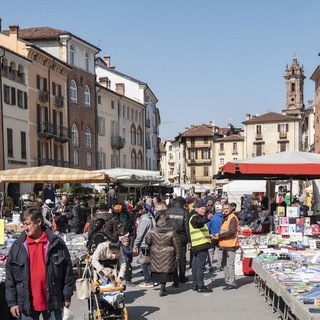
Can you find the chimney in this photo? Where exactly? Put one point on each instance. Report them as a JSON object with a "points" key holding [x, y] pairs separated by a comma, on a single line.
{"points": [[248, 116], [14, 29], [310, 102], [107, 60], [105, 82], [120, 88]]}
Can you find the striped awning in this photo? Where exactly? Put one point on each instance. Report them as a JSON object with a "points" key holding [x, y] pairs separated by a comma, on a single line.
{"points": [[52, 174]]}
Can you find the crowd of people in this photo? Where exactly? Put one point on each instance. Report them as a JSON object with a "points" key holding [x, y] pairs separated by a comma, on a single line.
{"points": [[161, 234]]}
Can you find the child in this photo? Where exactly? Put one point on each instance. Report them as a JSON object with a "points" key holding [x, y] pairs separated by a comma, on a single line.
{"points": [[127, 252]]}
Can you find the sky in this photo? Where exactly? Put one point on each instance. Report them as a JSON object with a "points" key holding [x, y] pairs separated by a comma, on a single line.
{"points": [[205, 60]]}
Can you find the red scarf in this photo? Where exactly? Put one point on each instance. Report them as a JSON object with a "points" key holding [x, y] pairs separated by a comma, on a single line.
{"points": [[37, 260]]}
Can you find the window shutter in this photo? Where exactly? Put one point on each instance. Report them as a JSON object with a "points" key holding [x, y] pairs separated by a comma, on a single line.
{"points": [[287, 127], [38, 82]]}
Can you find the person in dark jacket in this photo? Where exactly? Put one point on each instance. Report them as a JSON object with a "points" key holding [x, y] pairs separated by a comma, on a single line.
{"points": [[39, 276], [124, 217], [200, 244], [179, 221], [112, 228], [164, 252], [77, 217]]}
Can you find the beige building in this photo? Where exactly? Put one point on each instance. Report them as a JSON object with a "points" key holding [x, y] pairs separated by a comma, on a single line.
{"points": [[120, 130], [270, 133]]}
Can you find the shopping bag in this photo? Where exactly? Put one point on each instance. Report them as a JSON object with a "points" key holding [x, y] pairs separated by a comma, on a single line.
{"points": [[67, 314], [143, 259], [83, 285]]}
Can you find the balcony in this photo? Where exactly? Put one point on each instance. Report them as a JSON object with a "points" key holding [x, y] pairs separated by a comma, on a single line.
{"points": [[148, 123], [282, 135], [118, 142], [259, 136], [58, 101], [52, 162], [198, 144], [61, 134], [221, 152], [45, 130], [258, 154], [235, 151], [43, 95], [171, 162]]}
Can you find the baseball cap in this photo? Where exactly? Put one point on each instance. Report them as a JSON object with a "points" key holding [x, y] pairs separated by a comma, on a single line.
{"points": [[218, 207], [48, 201], [137, 208]]}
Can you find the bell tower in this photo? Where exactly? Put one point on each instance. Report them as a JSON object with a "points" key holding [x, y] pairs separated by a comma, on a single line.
{"points": [[294, 77]]}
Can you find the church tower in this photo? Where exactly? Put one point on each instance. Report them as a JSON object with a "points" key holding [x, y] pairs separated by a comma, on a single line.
{"points": [[294, 89]]}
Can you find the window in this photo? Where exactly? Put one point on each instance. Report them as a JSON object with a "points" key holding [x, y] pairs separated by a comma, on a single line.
{"points": [[20, 99], [258, 149], [128, 112], [99, 100], [139, 136], [193, 154], [170, 156], [9, 142], [124, 133], [206, 154], [124, 111], [221, 161], [75, 135], [6, 94], [258, 129], [73, 92], [283, 146], [13, 96], [42, 83], [133, 160], [88, 138], [101, 160], [112, 105], [89, 159], [132, 115], [205, 140], [23, 145], [139, 161], [56, 89], [133, 134], [101, 123], [136, 116], [87, 96], [205, 171], [87, 62], [75, 157], [283, 128], [170, 148], [72, 55], [234, 147], [221, 147], [124, 164]]}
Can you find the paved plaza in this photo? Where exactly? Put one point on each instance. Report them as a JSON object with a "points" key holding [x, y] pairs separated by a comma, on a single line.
{"points": [[184, 304]]}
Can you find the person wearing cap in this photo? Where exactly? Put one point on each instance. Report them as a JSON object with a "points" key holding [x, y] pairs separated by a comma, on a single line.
{"points": [[146, 223], [214, 226], [229, 243], [47, 213], [124, 217], [200, 244]]}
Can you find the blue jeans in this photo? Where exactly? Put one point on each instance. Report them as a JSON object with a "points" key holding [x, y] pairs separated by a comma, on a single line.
{"points": [[146, 270], [198, 267], [35, 315]]}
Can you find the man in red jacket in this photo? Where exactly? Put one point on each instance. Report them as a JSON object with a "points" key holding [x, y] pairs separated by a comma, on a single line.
{"points": [[39, 277]]}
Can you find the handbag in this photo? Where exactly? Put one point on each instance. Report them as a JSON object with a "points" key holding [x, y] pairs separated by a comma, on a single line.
{"points": [[67, 314], [83, 285], [143, 259]]}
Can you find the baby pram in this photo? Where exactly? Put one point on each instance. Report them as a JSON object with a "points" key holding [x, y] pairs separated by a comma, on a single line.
{"points": [[107, 300]]}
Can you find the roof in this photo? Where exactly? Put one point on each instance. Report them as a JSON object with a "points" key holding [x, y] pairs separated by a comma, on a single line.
{"points": [[45, 33], [198, 131], [233, 137], [162, 147], [270, 117]]}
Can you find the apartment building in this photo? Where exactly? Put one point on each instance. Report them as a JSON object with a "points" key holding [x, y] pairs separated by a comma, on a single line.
{"points": [[81, 89], [120, 129], [140, 92]]}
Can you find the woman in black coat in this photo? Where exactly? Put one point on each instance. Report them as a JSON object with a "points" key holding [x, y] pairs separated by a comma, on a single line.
{"points": [[164, 252]]}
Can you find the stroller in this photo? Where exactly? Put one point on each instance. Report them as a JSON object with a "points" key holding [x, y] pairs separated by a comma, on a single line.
{"points": [[107, 299]]}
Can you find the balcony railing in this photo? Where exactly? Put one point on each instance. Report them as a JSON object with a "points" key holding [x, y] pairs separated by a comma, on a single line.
{"points": [[43, 95], [58, 100], [53, 162], [45, 129], [282, 135], [61, 134], [117, 142]]}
